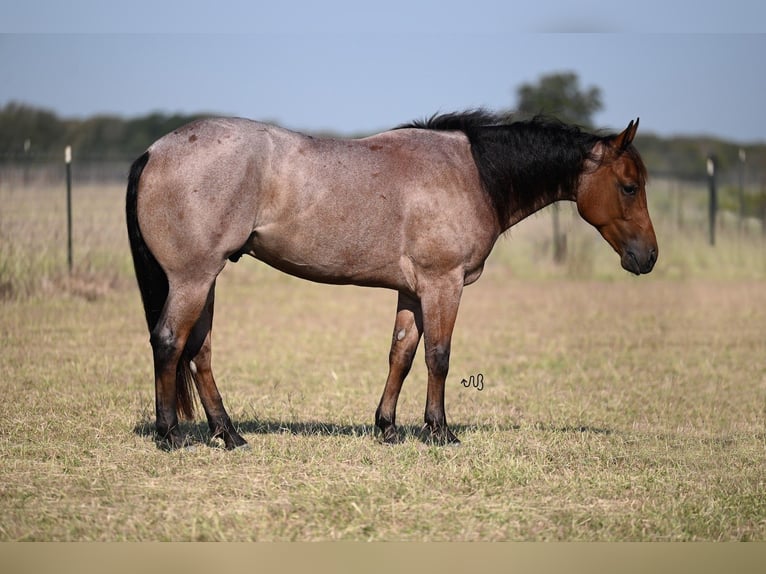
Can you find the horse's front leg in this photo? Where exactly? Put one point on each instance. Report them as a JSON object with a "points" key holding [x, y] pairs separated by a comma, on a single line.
{"points": [[407, 330], [440, 301]]}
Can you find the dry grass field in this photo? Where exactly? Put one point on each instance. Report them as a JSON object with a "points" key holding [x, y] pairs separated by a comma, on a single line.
{"points": [[613, 408]]}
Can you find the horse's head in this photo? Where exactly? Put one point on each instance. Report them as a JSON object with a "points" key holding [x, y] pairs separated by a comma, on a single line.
{"points": [[611, 196]]}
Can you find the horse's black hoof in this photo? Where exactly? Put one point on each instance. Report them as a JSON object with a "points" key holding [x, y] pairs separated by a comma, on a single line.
{"points": [[388, 430], [172, 440], [226, 433], [439, 436], [391, 436], [235, 442]]}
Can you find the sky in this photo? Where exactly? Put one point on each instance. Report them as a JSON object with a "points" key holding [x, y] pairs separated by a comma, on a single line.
{"points": [[684, 67]]}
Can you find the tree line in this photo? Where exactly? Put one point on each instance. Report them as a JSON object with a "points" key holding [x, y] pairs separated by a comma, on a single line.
{"points": [[28, 132]]}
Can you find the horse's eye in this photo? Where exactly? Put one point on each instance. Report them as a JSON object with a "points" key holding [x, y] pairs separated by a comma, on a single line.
{"points": [[629, 189]]}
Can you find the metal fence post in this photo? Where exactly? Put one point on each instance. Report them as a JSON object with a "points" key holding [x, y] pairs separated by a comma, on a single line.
{"points": [[713, 196], [742, 160], [68, 161]]}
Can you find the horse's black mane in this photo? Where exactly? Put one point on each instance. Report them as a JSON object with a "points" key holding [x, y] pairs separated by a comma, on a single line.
{"points": [[523, 164], [466, 121]]}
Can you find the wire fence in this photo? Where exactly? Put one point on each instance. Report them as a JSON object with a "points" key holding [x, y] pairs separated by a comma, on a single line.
{"points": [[39, 170], [34, 231]]}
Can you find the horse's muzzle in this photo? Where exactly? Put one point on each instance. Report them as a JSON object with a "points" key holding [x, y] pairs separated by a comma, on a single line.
{"points": [[638, 259]]}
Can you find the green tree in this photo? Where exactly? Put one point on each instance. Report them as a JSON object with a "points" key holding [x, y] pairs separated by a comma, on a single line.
{"points": [[561, 96], [25, 129]]}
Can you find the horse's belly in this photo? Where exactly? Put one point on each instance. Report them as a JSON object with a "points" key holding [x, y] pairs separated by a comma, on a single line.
{"points": [[327, 259]]}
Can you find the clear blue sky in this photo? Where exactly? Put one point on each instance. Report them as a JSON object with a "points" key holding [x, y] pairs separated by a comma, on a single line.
{"points": [[354, 66]]}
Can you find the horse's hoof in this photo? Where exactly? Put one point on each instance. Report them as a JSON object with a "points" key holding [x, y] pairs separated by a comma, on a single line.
{"points": [[240, 444], [231, 439], [391, 436], [440, 436], [172, 441], [451, 439]]}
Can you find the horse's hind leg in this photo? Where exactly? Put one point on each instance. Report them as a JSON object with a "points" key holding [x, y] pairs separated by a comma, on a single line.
{"points": [[199, 352], [407, 330], [172, 374]]}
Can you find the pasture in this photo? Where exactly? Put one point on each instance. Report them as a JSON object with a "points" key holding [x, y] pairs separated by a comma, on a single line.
{"points": [[613, 407]]}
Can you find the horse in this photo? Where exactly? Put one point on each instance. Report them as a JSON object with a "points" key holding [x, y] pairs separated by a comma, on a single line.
{"points": [[416, 209]]}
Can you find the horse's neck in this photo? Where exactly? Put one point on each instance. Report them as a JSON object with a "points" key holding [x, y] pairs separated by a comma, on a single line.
{"points": [[531, 175], [543, 201]]}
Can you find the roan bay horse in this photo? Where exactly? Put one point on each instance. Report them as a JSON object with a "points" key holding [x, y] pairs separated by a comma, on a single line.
{"points": [[416, 209]]}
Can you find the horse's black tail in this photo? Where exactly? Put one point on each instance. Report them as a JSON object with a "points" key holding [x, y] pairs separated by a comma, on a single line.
{"points": [[153, 283], [152, 280]]}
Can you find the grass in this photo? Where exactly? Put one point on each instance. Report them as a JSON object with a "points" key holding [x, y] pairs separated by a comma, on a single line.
{"points": [[33, 241], [614, 407]]}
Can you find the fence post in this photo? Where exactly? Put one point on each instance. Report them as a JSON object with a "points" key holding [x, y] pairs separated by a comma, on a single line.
{"points": [[68, 161], [742, 160], [559, 239], [27, 160], [763, 207], [679, 203], [713, 197]]}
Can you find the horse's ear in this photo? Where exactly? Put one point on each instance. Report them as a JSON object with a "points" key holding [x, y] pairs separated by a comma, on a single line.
{"points": [[623, 140]]}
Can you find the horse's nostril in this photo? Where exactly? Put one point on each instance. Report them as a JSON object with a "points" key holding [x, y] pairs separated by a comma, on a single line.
{"points": [[650, 261]]}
